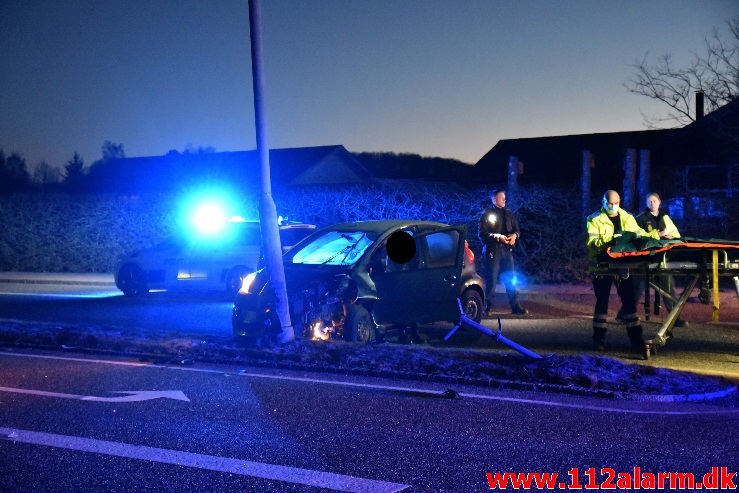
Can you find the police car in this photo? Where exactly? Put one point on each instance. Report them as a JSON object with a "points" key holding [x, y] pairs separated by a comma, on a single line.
{"points": [[214, 261]]}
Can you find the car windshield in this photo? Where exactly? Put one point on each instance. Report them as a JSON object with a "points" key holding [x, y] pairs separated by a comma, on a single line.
{"points": [[334, 248]]}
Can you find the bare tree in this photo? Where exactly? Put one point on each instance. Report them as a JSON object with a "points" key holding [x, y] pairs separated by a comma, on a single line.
{"points": [[715, 73], [112, 151], [199, 150]]}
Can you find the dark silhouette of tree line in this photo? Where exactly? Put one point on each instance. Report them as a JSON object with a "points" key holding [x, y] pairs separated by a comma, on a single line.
{"points": [[76, 177], [407, 166], [15, 176]]}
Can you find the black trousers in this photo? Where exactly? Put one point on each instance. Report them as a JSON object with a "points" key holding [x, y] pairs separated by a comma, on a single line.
{"points": [[625, 288], [498, 261]]}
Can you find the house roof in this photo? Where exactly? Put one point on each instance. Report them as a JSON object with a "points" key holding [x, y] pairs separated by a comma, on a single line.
{"points": [[291, 166], [559, 159], [713, 139]]}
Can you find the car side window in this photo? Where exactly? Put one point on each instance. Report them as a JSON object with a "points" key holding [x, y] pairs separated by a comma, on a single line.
{"points": [[441, 249], [412, 264], [381, 263]]}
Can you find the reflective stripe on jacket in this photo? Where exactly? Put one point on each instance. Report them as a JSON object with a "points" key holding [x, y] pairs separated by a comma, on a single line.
{"points": [[646, 219]]}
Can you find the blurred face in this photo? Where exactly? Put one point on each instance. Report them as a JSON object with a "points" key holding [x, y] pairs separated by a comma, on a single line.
{"points": [[499, 199], [611, 202], [653, 203]]}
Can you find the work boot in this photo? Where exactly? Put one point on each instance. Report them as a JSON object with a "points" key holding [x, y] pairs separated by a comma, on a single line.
{"points": [[635, 336], [599, 339], [489, 311], [519, 310]]}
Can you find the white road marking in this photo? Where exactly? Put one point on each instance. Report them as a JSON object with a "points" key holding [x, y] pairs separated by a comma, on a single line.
{"points": [[66, 358], [134, 395], [401, 389], [296, 475], [496, 397]]}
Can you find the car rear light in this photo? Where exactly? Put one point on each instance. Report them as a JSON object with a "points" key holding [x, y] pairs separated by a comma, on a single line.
{"points": [[469, 254]]}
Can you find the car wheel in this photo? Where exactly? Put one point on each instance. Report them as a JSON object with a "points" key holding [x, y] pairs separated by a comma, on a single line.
{"points": [[472, 305], [234, 279], [358, 326], [132, 280]]}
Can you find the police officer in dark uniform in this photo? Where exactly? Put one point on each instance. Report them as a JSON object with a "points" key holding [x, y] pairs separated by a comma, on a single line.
{"points": [[498, 231]]}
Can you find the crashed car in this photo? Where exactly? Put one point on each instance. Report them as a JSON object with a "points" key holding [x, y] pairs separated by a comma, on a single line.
{"points": [[184, 262], [342, 284]]}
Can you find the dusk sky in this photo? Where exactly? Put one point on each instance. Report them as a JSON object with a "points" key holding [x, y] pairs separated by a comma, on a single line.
{"points": [[446, 78]]}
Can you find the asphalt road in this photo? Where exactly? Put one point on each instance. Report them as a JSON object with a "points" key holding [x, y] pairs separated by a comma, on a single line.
{"points": [[157, 312], [72, 424]]}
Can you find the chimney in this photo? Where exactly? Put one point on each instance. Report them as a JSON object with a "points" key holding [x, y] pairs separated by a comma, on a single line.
{"points": [[698, 105]]}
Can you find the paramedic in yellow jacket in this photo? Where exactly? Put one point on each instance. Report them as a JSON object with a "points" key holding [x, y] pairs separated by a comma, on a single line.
{"points": [[603, 228]]}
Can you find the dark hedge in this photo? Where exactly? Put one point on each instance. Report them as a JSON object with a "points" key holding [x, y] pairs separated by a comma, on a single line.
{"points": [[45, 232]]}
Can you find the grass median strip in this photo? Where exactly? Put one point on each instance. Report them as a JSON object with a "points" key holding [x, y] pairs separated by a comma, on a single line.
{"points": [[577, 374]]}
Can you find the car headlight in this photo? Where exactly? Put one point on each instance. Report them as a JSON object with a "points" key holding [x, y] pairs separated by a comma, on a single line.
{"points": [[247, 283]]}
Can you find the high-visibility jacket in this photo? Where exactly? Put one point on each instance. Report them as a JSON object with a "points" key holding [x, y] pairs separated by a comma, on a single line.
{"points": [[600, 234], [648, 221]]}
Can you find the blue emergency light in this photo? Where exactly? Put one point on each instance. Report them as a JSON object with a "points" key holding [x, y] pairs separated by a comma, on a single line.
{"points": [[204, 214], [207, 213], [209, 219]]}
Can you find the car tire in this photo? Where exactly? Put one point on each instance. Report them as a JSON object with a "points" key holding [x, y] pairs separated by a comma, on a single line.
{"points": [[132, 280], [358, 326], [472, 304], [234, 278]]}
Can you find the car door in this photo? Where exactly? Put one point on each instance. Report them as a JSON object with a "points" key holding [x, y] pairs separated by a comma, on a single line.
{"points": [[425, 289], [195, 263]]}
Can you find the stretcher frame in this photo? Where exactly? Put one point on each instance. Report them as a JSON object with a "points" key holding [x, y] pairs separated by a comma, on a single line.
{"points": [[703, 262]]}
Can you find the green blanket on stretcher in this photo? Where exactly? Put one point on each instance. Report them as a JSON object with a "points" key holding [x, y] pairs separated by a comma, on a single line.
{"points": [[631, 242]]}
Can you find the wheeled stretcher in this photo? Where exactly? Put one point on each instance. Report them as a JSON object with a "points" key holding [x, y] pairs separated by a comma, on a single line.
{"points": [[702, 261]]}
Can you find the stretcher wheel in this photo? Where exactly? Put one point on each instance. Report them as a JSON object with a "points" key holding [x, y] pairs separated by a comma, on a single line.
{"points": [[704, 296]]}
